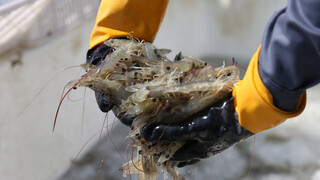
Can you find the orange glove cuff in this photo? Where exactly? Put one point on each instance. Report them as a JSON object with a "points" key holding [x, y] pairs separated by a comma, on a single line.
{"points": [[120, 18], [254, 102]]}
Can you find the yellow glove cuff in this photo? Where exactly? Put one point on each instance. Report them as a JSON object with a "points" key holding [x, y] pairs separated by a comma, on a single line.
{"points": [[254, 102], [119, 18]]}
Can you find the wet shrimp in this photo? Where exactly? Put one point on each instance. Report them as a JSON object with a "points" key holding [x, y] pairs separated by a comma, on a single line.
{"points": [[146, 86], [113, 88]]}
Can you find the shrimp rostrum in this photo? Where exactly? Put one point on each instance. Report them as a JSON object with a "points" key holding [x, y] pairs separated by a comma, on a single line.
{"points": [[148, 87]]}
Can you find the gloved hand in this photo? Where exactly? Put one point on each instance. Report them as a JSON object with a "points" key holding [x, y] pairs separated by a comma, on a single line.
{"points": [[95, 56], [122, 18], [250, 110], [212, 131]]}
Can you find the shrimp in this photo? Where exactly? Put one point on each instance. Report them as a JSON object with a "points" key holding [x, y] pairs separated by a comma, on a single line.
{"points": [[230, 72], [161, 53], [147, 158], [178, 112], [146, 86], [140, 103], [171, 168], [143, 73], [110, 87], [113, 62], [115, 43], [148, 51], [185, 65], [191, 87]]}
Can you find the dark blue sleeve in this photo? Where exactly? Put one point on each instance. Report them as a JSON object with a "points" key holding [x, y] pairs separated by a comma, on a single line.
{"points": [[289, 61]]}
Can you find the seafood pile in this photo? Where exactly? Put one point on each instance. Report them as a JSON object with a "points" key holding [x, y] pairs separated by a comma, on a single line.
{"points": [[145, 85]]}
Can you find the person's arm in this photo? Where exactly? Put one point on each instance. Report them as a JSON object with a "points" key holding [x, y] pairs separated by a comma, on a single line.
{"points": [[273, 89], [120, 19], [286, 65], [290, 56]]}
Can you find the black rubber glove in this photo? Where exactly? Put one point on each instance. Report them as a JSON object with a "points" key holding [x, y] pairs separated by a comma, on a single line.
{"points": [[207, 133]]}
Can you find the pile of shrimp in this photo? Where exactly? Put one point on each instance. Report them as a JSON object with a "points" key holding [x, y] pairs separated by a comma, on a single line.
{"points": [[148, 87]]}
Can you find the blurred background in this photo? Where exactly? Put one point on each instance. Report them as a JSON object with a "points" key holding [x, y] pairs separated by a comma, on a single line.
{"points": [[41, 38]]}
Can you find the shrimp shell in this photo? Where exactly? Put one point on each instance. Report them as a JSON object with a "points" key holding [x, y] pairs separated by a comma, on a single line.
{"points": [[113, 88]]}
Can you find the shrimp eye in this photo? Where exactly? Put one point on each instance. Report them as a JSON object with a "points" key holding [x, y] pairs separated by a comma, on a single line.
{"points": [[90, 85], [74, 88], [205, 64], [154, 100], [168, 68], [229, 74]]}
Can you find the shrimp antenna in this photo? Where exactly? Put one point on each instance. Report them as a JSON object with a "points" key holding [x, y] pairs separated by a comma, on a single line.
{"points": [[83, 146], [38, 93], [56, 116]]}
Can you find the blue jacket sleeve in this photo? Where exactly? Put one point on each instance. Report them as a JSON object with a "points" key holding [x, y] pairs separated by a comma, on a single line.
{"points": [[289, 61]]}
